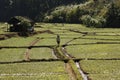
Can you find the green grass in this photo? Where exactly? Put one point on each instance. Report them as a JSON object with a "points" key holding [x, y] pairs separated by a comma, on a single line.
{"points": [[84, 47], [40, 53], [17, 41], [19, 54], [41, 70], [47, 42], [87, 47], [25, 41], [102, 70], [95, 51], [11, 54]]}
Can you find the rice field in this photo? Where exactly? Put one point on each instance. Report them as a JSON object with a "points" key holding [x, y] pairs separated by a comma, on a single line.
{"points": [[78, 40]]}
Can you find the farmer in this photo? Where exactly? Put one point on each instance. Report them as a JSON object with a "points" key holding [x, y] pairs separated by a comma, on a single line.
{"points": [[58, 39]]}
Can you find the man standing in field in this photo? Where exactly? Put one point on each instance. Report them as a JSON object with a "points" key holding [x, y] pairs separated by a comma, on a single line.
{"points": [[58, 39]]}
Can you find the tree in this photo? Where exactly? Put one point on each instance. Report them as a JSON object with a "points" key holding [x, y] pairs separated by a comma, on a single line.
{"points": [[113, 16]]}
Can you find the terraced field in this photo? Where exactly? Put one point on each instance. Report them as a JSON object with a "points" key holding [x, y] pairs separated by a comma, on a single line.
{"points": [[83, 54]]}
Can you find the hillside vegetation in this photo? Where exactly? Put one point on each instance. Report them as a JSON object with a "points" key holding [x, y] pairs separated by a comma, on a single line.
{"points": [[34, 9], [93, 13]]}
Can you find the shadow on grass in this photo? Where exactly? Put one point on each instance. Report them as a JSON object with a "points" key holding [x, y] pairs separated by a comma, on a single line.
{"points": [[29, 47], [91, 43], [53, 60]]}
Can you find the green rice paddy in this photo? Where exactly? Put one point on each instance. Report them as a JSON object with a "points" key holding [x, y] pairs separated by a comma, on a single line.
{"points": [[96, 43]]}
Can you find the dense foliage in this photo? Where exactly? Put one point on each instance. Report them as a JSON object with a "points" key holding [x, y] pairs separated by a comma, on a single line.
{"points": [[113, 16], [34, 9], [93, 13]]}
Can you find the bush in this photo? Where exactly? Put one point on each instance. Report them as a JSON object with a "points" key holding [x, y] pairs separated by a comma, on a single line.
{"points": [[58, 15], [48, 18], [93, 22], [93, 14], [113, 16], [26, 26], [69, 14]]}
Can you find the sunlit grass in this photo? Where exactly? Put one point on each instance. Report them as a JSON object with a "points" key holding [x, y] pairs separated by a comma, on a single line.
{"points": [[11, 54], [17, 41], [102, 70], [40, 53], [41, 70], [95, 51], [79, 46]]}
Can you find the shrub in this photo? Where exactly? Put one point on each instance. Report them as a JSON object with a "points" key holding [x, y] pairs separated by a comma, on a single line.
{"points": [[93, 22], [113, 16], [48, 18]]}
